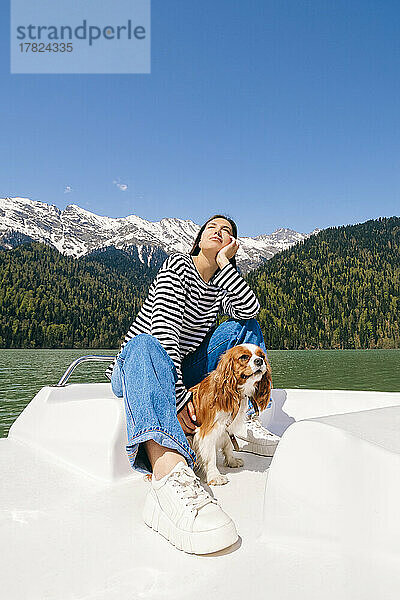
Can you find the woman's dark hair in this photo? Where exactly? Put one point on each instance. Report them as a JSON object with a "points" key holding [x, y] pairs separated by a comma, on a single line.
{"points": [[196, 248]]}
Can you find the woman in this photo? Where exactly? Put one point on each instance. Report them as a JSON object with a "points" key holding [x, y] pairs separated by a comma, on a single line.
{"points": [[173, 344]]}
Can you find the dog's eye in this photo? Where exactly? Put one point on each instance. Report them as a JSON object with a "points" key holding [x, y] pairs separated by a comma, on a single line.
{"points": [[244, 357]]}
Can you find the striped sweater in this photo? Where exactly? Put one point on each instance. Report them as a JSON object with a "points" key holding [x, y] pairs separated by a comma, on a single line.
{"points": [[181, 308]]}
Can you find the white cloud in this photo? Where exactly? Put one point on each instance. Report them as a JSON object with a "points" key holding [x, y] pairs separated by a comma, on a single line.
{"points": [[122, 186]]}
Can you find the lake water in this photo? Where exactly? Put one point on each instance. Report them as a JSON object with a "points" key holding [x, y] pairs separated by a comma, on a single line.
{"points": [[24, 372]]}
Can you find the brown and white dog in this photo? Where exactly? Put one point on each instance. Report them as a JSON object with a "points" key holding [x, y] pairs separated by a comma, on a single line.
{"points": [[221, 403]]}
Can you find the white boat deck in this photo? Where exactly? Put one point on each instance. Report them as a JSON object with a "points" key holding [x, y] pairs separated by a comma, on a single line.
{"points": [[71, 528]]}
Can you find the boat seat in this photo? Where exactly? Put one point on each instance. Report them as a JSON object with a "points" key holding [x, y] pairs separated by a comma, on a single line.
{"points": [[336, 480], [82, 425]]}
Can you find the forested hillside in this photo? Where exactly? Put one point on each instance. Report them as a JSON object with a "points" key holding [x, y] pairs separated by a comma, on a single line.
{"points": [[48, 300], [338, 289]]}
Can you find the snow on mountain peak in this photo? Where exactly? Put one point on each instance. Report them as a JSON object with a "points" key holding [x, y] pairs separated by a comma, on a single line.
{"points": [[76, 231]]}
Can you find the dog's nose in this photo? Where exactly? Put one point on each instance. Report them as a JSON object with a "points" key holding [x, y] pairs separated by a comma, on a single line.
{"points": [[258, 362]]}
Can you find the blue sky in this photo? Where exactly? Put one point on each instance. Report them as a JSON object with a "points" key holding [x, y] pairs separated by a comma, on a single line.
{"points": [[280, 113]]}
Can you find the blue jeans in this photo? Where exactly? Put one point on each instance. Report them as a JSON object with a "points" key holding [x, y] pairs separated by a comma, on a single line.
{"points": [[145, 375]]}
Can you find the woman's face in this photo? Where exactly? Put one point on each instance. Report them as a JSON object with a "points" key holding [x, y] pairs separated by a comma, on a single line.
{"points": [[216, 235]]}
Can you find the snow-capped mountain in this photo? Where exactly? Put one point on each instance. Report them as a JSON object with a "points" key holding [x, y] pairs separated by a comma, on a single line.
{"points": [[77, 232]]}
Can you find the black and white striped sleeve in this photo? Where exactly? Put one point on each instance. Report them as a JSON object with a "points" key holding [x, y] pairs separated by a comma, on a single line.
{"points": [[166, 322], [239, 301]]}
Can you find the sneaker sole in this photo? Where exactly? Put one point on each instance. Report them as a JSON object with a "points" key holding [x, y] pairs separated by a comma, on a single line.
{"points": [[260, 449], [203, 542]]}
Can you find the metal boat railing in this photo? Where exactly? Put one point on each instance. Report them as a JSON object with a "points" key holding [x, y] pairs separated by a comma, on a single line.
{"points": [[78, 361]]}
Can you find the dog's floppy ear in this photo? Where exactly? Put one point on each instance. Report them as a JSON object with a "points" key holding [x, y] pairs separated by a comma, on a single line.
{"points": [[226, 393], [263, 392]]}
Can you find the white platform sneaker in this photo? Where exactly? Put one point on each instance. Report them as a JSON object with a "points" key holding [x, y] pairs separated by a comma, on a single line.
{"points": [[182, 511], [255, 438]]}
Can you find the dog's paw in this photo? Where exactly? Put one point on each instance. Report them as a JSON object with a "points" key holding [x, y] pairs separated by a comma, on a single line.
{"points": [[233, 463], [218, 480]]}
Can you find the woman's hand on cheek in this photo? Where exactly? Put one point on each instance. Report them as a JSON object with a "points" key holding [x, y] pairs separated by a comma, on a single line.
{"points": [[226, 253]]}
